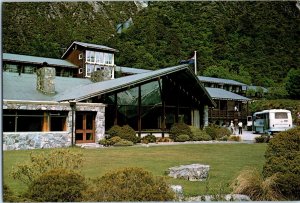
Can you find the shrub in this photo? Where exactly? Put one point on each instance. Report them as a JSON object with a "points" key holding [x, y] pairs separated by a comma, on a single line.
{"points": [[57, 185], [223, 132], [182, 138], [105, 142], [124, 132], [234, 138], [149, 139], [262, 139], [42, 162], [250, 182], [179, 129], [164, 139], [283, 158], [111, 141], [199, 135], [224, 138], [216, 132], [8, 195], [115, 140], [124, 143], [114, 131], [129, 184]]}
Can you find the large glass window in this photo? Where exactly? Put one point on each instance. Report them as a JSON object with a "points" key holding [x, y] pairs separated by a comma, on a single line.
{"points": [[90, 56], [99, 58], [95, 61], [89, 69], [33, 121], [108, 58]]}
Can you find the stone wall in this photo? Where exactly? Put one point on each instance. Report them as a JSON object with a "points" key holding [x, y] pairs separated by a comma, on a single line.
{"points": [[34, 140]]}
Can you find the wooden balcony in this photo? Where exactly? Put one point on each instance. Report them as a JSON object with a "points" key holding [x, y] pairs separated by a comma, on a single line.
{"points": [[216, 114]]}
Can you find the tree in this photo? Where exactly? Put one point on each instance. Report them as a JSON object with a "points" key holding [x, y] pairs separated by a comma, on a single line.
{"points": [[293, 83]]}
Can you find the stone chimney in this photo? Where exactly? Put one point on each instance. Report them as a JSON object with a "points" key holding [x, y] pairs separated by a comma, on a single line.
{"points": [[45, 80]]}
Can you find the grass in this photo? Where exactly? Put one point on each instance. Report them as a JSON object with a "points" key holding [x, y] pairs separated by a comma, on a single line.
{"points": [[225, 160]]}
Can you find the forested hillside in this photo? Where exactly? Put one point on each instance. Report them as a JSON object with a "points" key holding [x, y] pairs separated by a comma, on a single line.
{"points": [[252, 42]]}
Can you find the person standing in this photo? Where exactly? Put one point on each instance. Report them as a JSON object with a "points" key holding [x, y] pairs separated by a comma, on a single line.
{"points": [[232, 128], [240, 124]]}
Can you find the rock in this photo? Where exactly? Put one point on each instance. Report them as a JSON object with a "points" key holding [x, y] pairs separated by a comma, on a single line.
{"points": [[193, 172], [177, 189], [237, 197], [228, 197]]}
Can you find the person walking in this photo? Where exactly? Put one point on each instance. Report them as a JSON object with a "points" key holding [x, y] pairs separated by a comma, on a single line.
{"points": [[240, 124]]}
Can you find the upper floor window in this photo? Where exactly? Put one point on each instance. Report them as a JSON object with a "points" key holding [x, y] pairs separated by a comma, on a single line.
{"points": [[99, 58]]}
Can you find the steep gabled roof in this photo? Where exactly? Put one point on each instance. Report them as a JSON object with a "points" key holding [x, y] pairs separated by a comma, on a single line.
{"points": [[35, 60], [88, 45], [220, 81], [221, 94], [181, 74]]}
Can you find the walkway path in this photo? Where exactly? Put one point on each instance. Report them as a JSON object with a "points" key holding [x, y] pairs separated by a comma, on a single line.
{"points": [[249, 136]]}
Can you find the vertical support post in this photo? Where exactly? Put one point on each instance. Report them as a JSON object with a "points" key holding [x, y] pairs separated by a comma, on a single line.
{"points": [[45, 127], [219, 108], [177, 106], [195, 61], [73, 108], [16, 122], [205, 116], [247, 108], [201, 116], [139, 111], [116, 108], [163, 116]]}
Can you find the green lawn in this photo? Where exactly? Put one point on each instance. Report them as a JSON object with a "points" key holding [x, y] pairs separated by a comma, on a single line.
{"points": [[225, 160]]}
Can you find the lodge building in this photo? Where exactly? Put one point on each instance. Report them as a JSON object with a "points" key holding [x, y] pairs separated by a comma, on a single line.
{"points": [[60, 102]]}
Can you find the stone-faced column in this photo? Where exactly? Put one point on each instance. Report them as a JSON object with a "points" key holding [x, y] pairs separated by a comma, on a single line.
{"points": [[45, 80]]}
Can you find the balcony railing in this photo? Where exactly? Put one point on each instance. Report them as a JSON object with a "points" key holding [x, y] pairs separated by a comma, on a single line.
{"points": [[224, 114]]}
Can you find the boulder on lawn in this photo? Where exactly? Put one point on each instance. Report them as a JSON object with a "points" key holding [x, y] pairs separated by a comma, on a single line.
{"points": [[192, 172]]}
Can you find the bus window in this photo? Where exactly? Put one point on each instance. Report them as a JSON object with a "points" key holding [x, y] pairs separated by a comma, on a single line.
{"points": [[281, 115]]}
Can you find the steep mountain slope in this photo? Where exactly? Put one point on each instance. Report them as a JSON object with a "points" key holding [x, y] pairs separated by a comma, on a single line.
{"points": [[252, 42]]}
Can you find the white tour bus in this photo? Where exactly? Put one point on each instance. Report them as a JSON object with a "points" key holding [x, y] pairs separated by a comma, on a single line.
{"points": [[273, 120]]}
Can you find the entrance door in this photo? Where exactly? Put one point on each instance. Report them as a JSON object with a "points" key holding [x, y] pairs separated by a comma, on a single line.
{"points": [[85, 127]]}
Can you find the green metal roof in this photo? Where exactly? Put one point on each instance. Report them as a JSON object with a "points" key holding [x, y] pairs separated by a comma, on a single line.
{"points": [[35, 60], [220, 81], [131, 70], [23, 87], [256, 88], [221, 94]]}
